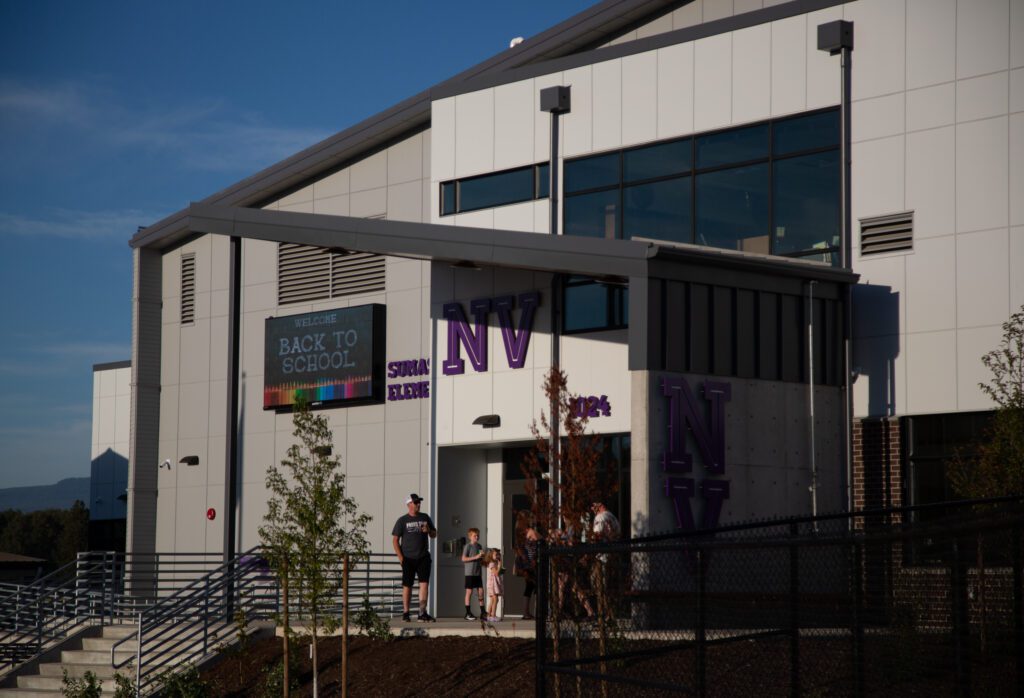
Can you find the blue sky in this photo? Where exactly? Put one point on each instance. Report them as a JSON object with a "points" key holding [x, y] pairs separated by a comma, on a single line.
{"points": [[114, 114]]}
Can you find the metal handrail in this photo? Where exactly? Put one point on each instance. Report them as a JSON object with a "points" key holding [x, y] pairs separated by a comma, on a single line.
{"points": [[25, 641], [176, 622], [185, 625]]}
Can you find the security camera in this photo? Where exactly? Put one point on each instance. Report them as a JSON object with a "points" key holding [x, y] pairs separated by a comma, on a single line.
{"points": [[166, 463]]}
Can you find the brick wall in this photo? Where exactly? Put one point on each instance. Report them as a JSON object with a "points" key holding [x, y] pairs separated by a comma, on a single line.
{"points": [[877, 471]]}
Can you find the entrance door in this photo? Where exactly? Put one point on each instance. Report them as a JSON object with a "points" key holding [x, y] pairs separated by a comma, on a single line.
{"points": [[462, 503], [514, 501]]}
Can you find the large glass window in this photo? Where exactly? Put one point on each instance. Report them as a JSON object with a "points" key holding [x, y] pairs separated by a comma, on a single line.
{"points": [[593, 215], [732, 208], [732, 146], [805, 211], [769, 188], [660, 160], [592, 172], [495, 189], [659, 210]]}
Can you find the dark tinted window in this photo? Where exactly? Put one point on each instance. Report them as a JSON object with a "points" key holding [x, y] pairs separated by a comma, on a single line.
{"points": [[736, 145], [496, 189], [806, 202], [806, 133], [448, 198], [589, 305], [732, 208], [592, 215], [659, 210], [586, 307], [590, 173], [661, 160], [543, 180]]}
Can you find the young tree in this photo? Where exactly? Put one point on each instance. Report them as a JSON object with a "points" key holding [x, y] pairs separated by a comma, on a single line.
{"points": [[561, 496], [998, 467], [311, 522]]}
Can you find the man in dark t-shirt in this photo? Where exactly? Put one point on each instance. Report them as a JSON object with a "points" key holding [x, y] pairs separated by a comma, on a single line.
{"points": [[410, 540]]}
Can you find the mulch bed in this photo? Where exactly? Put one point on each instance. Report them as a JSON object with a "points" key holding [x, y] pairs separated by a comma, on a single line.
{"points": [[443, 666]]}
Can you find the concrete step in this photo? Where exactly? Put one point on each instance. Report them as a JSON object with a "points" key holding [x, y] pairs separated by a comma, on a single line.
{"points": [[104, 671], [51, 683], [27, 692], [92, 657], [103, 644], [119, 631]]}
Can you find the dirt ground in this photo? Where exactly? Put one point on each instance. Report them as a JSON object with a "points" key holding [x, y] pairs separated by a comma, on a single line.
{"points": [[444, 666]]}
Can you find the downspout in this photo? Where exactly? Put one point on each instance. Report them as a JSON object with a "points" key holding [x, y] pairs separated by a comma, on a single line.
{"points": [[810, 398]]}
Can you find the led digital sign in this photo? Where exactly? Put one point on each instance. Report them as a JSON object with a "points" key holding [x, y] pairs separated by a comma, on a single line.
{"points": [[330, 356]]}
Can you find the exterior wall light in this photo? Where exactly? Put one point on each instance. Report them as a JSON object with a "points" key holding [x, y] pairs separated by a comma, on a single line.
{"points": [[488, 421], [189, 460]]}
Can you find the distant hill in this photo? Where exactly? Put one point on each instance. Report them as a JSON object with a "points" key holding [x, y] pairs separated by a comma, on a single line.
{"points": [[57, 496]]}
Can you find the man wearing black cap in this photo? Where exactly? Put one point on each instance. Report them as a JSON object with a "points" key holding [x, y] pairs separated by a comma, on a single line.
{"points": [[409, 537]]}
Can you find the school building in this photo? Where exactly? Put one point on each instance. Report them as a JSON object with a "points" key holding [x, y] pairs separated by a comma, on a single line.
{"points": [[755, 327]]}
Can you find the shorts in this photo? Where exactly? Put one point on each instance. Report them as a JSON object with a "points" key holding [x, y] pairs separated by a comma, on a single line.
{"points": [[420, 567], [474, 581]]}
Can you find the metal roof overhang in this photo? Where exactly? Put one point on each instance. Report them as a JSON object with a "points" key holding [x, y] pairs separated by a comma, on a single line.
{"points": [[498, 248]]}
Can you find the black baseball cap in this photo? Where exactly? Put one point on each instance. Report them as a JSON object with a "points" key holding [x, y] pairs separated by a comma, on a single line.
{"points": [[413, 498]]}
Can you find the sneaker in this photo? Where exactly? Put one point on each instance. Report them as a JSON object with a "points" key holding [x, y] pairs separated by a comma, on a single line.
{"points": [[405, 617], [425, 617], [493, 619], [470, 616]]}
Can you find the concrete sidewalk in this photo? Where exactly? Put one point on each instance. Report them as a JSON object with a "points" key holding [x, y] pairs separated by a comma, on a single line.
{"points": [[510, 627]]}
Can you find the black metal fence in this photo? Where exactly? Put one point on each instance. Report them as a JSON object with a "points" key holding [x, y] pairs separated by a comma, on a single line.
{"points": [[911, 601]]}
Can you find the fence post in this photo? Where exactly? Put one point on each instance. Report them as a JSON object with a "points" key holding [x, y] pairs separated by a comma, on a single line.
{"points": [[344, 627], [1018, 609], [856, 581], [138, 659], [39, 623], [960, 620], [540, 622], [794, 612], [206, 614], [701, 630]]}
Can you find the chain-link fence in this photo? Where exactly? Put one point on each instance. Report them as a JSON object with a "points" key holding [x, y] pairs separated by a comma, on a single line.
{"points": [[912, 601]]}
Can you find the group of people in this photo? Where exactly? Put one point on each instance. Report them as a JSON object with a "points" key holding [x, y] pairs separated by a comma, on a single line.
{"points": [[410, 538]]}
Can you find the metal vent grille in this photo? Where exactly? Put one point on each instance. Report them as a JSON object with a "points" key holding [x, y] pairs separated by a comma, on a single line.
{"points": [[890, 233], [188, 288], [356, 272], [303, 273], [307, 273]]}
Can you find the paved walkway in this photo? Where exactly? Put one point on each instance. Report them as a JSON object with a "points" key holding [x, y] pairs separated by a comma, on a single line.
{"points": [[510, 627]]}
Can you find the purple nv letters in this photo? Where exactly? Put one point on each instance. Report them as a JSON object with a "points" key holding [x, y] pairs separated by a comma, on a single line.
{"points": [[516, 340], [685, 416]]}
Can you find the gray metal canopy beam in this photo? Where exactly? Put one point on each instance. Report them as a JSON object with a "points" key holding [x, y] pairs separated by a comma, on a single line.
{"points": [[502, 248], [440, 243]]}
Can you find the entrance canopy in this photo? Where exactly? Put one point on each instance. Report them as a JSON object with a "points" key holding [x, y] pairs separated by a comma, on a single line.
{"points": [[649, 266]]}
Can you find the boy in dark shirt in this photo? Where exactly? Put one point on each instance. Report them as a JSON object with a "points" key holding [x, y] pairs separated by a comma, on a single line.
{"points": [[410, 540]]}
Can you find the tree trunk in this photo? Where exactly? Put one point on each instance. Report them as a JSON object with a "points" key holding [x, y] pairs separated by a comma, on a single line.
{"points": [[344, 627], [284, 599], [316, 668]]}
